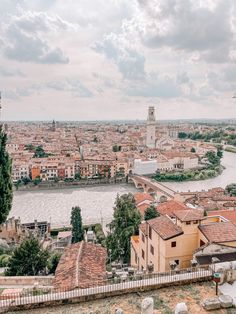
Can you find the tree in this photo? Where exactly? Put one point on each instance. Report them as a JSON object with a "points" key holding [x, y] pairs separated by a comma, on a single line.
{"points": [[151, 212], [6, 191], [193, 150], [125, 223], [77, 226], [37, 180], [39, 152], [53, 262], [29, 259], [231, 189], [212, 158], [182, 135]]}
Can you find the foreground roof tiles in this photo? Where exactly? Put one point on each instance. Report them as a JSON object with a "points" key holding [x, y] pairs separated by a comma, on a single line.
{"points": [[82, 265], [219, 232]]}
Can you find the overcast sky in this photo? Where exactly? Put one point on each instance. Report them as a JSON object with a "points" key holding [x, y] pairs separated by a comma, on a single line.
{"points": [[111, 59]]}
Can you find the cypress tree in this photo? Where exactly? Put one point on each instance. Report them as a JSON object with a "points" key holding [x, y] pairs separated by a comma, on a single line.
{"points": [[6, 191], [77, 226], [125, 223]]}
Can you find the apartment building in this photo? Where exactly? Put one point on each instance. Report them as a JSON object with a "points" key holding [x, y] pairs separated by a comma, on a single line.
{"points": [[20, 170], [164, 242]]}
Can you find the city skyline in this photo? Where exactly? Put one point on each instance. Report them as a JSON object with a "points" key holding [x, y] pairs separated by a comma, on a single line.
{"points": [[73, 62]]}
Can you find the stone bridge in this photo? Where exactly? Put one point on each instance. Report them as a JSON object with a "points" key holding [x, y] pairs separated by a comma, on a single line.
{"points": [[153, 187]]}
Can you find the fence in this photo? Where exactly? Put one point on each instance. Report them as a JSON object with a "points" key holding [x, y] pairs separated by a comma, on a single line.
{"points": [[38, 297]]}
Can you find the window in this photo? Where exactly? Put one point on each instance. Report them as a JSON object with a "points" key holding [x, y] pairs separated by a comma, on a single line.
{"points": [[188, 222], [143, 238], [150, 232], [195, 222], [152, 249], [143, 255], [173, 244]]}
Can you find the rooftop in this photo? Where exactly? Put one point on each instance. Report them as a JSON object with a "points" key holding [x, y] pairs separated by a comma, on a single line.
{"points": [[169, 207], [219, 232], [81, 265], [189, 215], [228, 214], [165, 227]]}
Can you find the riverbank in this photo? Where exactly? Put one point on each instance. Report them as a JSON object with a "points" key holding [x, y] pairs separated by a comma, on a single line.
{"points": [[69, 185], [230, 149], [190, 175]]}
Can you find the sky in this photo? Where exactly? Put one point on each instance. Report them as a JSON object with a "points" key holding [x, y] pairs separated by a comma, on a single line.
{"points": [[111, 59]]}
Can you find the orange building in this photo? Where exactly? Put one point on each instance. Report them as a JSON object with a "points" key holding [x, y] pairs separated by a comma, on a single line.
{"points": [[35, 172]]}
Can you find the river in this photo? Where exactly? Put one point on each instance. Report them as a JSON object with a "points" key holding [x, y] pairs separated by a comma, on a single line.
{"points": [[97, 202]]}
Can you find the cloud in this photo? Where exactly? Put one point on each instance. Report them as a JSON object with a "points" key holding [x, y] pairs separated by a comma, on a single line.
{"points": [[25, 38], [75, 86], [155, 85], [187, 25], [10, 72], [130, 62]]}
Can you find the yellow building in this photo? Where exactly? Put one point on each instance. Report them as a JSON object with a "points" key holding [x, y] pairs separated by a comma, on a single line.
{"points": [[163, 241]]}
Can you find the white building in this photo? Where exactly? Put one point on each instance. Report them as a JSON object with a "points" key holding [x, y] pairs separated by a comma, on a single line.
{"points": [[142, 167]]}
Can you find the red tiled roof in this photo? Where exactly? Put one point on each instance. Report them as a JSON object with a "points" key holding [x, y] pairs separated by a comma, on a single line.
{"points": [[81, 265], [165, 227], [142, 208], [169, 207], [140, 197], [228, 214], [189, 215], [219, 232]]}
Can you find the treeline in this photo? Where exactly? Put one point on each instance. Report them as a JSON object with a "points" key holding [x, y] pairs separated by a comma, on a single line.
{"points": [[212, 169], [215, 136]]}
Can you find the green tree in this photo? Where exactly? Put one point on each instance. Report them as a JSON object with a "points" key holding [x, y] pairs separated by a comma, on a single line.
{"points": [[231, 189], [125, 223], [53, 262], [6, 191], [151, 212], [37, 180], [29, 259], [193, 150], [182, 135], [77, 225], [39, 152]]}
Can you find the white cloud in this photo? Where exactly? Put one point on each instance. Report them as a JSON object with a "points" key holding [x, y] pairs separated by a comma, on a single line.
{"points": [[25, 38]]}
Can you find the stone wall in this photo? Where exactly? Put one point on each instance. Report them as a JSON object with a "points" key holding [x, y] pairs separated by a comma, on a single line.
{"points": [[26, 280]]}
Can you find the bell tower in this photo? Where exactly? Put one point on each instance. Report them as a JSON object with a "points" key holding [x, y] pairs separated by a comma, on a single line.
{"points": [[151, 128]]}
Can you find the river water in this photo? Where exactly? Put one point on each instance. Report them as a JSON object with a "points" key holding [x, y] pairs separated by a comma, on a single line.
{"points": [[97, 202]]}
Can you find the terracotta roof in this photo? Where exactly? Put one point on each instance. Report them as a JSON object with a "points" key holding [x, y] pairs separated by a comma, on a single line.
{"points": [[81, 265], [142, 208], [169, 207], [165, 227], [219, 232], [189, 215], [228, 214], [140, 197]]}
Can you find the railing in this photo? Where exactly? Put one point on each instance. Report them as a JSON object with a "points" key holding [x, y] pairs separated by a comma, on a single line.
{"points": [[105, 287]]}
